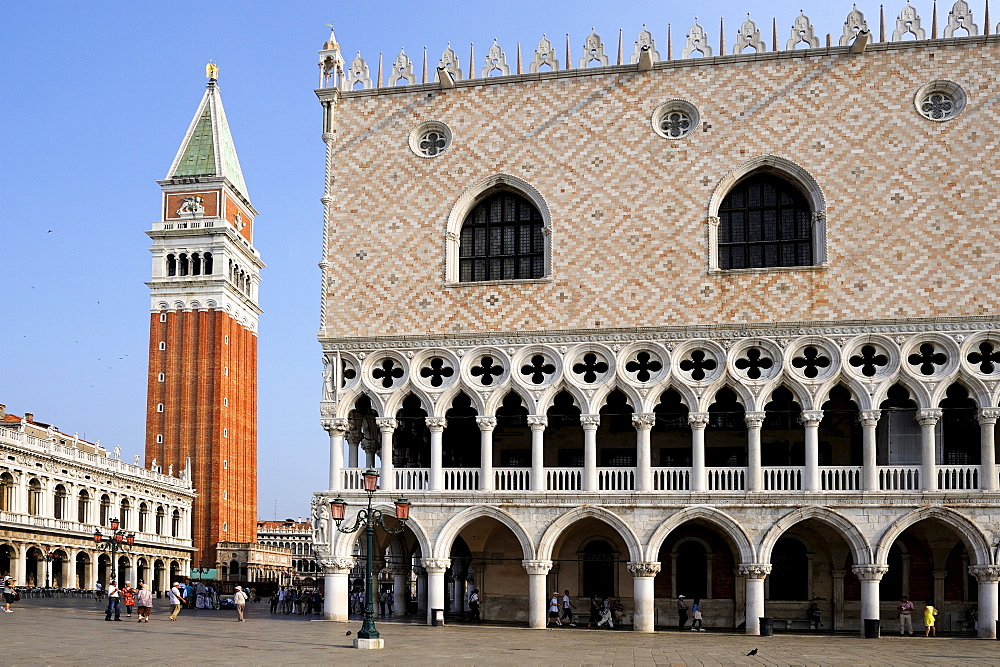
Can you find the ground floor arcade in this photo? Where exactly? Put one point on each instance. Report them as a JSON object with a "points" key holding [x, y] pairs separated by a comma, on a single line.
{"points": [[742, 559]]}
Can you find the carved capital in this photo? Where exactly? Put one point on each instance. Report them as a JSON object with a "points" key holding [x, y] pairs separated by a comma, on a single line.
{"points": [[755, 570], [644, 421], [386, 424], [486, 423], [812, 418], [338, 565], [869, 417], [713, 220], [988, 415], [547, 230], [819, 217], [698, 420], [870, 572], [538, 422], [985, 573], [754, 419], [436, 424], [435, 565], [336, 426], [537, 566], [643, 568], [928, 416], [452, 236], [419, 570], [590, 422]]}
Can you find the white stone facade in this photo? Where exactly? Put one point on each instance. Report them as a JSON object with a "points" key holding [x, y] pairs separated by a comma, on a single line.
{"points": [[642, 416], [57, 490]]}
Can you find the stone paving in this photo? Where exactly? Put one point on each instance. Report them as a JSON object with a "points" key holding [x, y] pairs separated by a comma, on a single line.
{"points": [[50, 631]]}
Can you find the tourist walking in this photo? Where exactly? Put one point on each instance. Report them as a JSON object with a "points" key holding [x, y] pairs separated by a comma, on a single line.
{"points": [[10, 595], [606, 618], [240, 600], [617, 611], [554, 610], [114, 602], [567, 609], [128, 598], [274, 602], [144, 603], [697, 616], [930, 615], [595, 612], [682, 612], [905, 608], [474, 607], [176, 597], [98, 591]]}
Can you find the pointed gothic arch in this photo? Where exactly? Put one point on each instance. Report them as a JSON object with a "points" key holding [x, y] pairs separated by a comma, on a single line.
{"points": [[446, 536], [975, 540], [550, 537], [860, 548], [710, 515]]}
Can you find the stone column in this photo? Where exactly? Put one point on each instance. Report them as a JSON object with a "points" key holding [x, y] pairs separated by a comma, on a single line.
{"points": [[435, 567], [19, 568], [643, 423], [939, 575], [457, 594], [387, 480], [988, 457], [336, 428], [352, 451], [838, 598], [928, 419], [755, 473], [811, 419], [870, 576], [537, 423], [590, 424], [436, 426], [699, 476], [486, 426], [537, 591], [987, 576], [645, 575], [869, 458], [400, 589], [421, 573], [336, 586], [755, 574]]}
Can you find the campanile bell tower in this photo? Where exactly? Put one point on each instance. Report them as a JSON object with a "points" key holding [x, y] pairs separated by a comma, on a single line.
{"points": [[202, 385]]}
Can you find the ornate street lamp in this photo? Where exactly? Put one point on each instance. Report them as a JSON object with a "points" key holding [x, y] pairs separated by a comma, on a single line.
{"points": [[49, 557], [369, 517], [118, 540]]}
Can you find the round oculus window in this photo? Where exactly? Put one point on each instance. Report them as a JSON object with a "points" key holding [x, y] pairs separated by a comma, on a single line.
{"points": [[430, 139], [675, 119]]}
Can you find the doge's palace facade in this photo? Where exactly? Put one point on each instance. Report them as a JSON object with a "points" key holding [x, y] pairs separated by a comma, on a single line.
{"points": [[721, 327]]}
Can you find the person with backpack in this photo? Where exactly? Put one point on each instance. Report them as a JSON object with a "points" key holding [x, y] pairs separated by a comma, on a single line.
{"points": [[114, 602], [10, 595]]}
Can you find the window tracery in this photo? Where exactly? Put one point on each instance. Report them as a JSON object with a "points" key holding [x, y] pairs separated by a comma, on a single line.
{"points": [[501, 239]]}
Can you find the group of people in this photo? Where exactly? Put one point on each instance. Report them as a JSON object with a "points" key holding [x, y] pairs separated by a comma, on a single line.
{"points": [[906, 608], [288, 600], [140, 598]]}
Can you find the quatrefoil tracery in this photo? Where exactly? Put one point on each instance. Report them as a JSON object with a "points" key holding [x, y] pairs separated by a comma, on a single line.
{"points": [[436, 371], [387, 372], [811, 361], [590, 367], [869, 361], [987, 358], [538, 369], [927, 359], [486, 370], [754, 363], [697, 364], [644, 366]]}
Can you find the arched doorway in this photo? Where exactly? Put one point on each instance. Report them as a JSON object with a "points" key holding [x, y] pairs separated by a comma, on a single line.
{"points": [[33, 574], [83, 564]]}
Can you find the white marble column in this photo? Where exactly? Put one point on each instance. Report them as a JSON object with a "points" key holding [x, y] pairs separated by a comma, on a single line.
{"points": [[537, 591], [537, 423], [644, 574], [336, 587], [811, 420], [486, 426], [869, 576], [988, 457], [699, 476], [755, 473], [590, 424], [436, 567], [869, 458], [987, 576], [755, 574], [643, 423], [400, 589], [387, 479], [336, 428], [436, 426], [928, 419]]}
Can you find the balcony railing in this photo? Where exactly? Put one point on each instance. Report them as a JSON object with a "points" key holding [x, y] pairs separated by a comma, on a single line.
{"points": [[776, 479]]}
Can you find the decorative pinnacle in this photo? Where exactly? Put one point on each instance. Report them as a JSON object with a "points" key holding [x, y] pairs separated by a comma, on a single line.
{"points": [[212, 71]]}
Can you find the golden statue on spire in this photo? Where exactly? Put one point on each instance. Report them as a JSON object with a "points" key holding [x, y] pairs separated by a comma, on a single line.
{"points": [[212, 71]]}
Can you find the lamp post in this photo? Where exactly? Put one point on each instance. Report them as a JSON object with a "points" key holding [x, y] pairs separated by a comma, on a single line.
{"points": [[368, 636], [49, 557], [118, 540]]}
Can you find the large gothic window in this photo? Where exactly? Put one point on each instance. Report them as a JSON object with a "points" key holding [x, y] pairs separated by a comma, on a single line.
{"points": [[764, 221], [502, 240]]}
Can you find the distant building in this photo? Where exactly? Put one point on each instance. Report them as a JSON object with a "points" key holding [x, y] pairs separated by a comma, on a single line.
{"points": [[56, 490], [202, 383], [296, 536], [254, 563]]}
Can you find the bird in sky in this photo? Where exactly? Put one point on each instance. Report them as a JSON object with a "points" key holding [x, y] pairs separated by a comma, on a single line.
{"points": [[753, 652]]}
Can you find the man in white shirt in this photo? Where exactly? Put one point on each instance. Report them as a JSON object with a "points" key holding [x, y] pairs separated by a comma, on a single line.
{"points": [[176, 600], [567, 605], [240, 600], [114, 602]]}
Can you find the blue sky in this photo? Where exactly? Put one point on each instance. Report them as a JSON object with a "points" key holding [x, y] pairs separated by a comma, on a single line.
{"points": [[96, 99]]}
